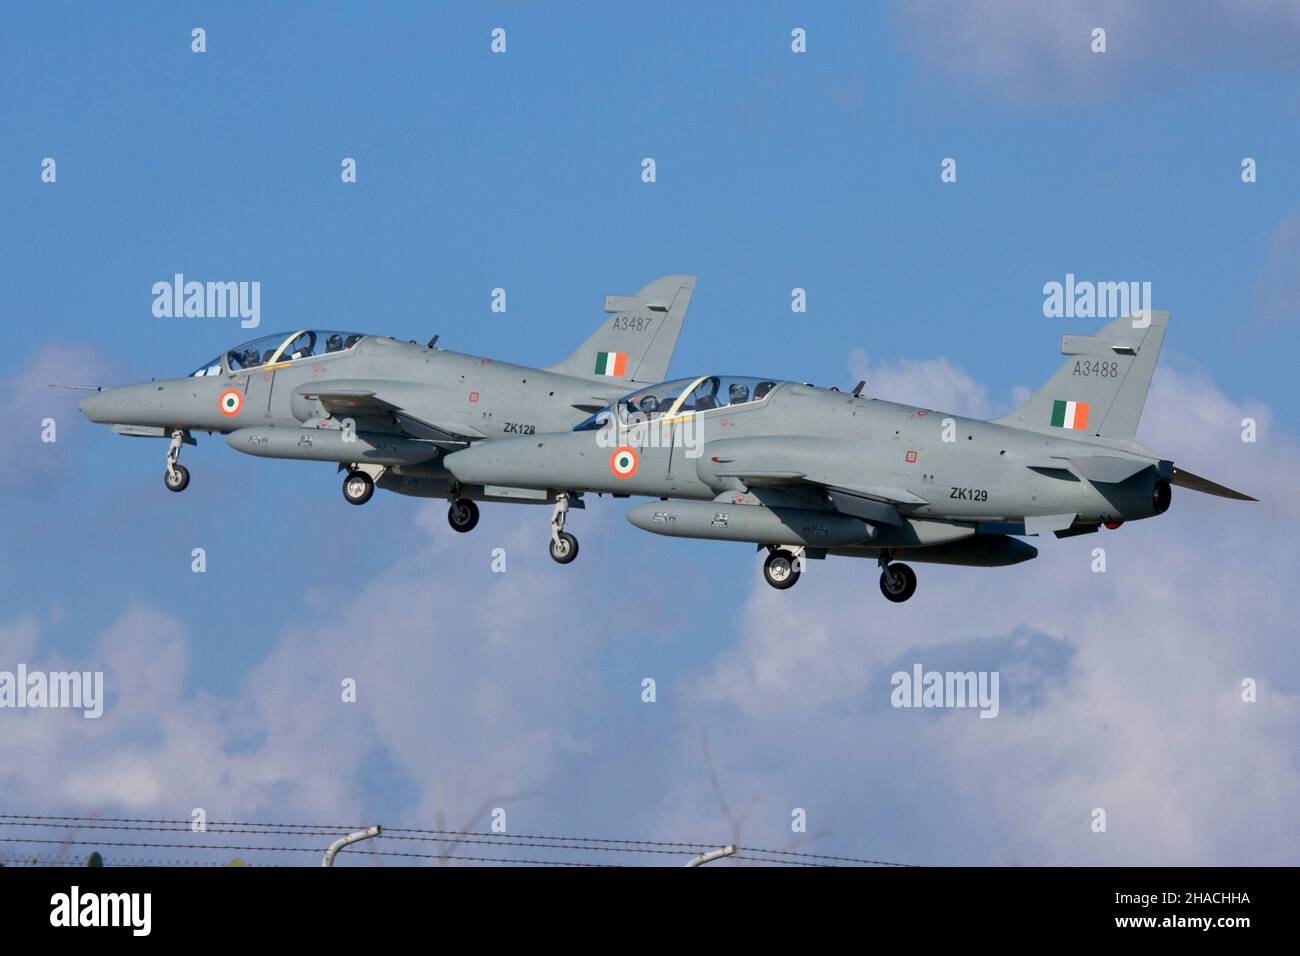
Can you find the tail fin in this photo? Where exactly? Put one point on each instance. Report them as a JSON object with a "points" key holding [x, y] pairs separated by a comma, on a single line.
{"points": [[636, 343], [1102, 387]]}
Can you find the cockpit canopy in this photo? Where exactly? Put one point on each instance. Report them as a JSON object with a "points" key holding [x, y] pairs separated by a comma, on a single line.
{"points": [[683, 396], [282, 347]]}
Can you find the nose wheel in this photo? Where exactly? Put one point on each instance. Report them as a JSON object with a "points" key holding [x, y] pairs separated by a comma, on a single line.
{"points": [[177, 476], [897, 582], [462, 515], [358, 487], [564, 546], [781, 569]]}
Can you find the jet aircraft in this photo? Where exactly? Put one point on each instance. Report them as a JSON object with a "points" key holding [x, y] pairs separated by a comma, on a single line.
{"points": [[808, 472], [387, 411]]}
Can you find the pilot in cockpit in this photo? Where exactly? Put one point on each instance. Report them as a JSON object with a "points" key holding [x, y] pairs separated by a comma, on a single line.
{"points": [[334, 343], [739, 393]]}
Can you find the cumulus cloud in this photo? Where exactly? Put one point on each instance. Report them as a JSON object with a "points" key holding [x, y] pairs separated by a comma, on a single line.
{"points": [[25, 459], [927, 383], [1120, 691], [1025, 50], [1275, 293]]}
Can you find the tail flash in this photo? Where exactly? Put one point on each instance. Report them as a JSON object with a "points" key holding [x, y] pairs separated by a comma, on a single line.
{"points": [[636, 342], [1102, 387]]}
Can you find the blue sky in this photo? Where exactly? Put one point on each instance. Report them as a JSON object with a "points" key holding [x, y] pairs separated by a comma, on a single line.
{"points": [[522, 171]]}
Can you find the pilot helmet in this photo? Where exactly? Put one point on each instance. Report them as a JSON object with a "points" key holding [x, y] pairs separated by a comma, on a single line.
{"points": [[738, 392], [334, 342]]}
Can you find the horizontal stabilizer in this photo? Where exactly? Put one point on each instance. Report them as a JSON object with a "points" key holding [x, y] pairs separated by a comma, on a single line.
{"points": [[1185, 479]]}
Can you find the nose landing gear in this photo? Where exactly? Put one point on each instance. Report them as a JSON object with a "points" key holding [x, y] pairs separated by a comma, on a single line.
{"points": [[177, 476], [564, 546]]}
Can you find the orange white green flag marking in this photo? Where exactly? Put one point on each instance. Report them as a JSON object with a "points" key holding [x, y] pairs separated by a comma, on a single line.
{"points": [[1073, 415], [613, 364]]}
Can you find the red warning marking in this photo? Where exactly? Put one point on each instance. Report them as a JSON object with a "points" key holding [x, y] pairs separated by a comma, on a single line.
{"points": [[473, 396], [911, 456]]}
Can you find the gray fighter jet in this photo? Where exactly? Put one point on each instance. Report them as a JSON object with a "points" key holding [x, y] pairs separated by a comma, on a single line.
{"points": [[387, 411], [808, 472]]}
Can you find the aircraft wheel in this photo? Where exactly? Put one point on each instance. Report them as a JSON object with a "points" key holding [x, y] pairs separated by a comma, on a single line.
{"points": [[177, 478], [565, 549], [462, 515], [898, 582], [780, 570], [358, 487]]}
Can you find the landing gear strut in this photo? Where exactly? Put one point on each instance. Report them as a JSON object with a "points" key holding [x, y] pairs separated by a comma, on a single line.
{"points": [[897, 581], [782, 568], [462, 515], [358, 487], [564, 546], [177, 476]]}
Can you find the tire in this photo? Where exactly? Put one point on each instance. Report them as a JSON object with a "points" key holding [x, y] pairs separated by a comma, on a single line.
{"points": [[568, 548], [892, 588], [358, 487], [462, 515], [780, 570], [181, 479]]}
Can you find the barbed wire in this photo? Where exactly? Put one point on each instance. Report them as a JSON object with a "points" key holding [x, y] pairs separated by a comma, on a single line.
{"points": [[415, 834]]}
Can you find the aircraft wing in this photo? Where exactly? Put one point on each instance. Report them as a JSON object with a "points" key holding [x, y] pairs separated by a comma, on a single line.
{"points": [[363, 401], [824, 464]]}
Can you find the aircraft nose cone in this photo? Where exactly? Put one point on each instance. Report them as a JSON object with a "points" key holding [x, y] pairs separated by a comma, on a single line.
{"points": [[95, 407]]}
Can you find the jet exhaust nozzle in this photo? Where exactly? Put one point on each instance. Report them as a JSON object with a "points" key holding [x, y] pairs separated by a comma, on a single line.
{"points": [[1162, 496]]}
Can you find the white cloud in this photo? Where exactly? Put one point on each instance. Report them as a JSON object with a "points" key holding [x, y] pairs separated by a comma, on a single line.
{"points": [[1121, 689], [1026, 50], [25, 459], [1147, 722], [927, 383]]}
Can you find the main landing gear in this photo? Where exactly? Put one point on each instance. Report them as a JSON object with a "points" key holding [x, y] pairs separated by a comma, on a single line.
{"points": [[177, 476], [897, 581], [782, 568], [462, 515], [564, 546], [358, 487]]}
